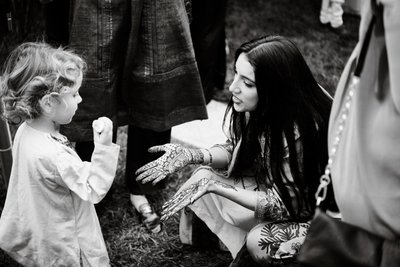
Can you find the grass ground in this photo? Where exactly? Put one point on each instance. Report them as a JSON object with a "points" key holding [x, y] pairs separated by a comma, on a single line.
{"points": [[326, 51]]}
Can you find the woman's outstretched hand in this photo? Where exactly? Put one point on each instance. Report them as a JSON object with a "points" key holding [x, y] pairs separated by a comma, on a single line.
{"points": [[185, 197], [175, 158]]}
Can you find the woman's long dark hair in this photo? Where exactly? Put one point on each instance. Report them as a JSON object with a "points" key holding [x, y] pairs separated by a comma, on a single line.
{"points": [[289, 99]]}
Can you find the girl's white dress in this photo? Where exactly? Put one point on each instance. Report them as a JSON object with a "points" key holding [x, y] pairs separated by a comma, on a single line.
{"points": [[49, 218]]}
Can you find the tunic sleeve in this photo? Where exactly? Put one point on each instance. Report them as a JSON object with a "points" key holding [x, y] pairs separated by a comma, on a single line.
{"points": [[89, 180], [227, 147], [270, 207]]}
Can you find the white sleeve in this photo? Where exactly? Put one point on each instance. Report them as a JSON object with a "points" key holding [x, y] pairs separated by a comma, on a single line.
{"points": [[89, 180]]}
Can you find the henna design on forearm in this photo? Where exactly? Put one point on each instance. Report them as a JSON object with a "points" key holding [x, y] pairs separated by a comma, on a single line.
{"points": [[188, 195], [224, 185]]}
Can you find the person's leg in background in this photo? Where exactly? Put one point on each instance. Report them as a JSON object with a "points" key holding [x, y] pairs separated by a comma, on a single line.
{"points": [[139, 141], [84, 150], [161, 87], [57, 21], [220, 73], [208, 35]]}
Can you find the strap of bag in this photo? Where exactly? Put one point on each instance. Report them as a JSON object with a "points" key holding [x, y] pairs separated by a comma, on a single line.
{"points": [[325, 179]]}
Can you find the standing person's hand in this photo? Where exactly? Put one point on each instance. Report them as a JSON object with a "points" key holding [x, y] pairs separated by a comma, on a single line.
{"points": [[175, 158], [102, 131]]}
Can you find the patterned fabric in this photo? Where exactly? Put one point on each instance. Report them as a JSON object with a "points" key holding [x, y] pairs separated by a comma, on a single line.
{"points": [[270, 207], [63, 140], [283, 240], [141, 66]]}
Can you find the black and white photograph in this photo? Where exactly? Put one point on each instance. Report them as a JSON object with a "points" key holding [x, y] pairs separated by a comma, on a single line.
{"points": [[199, 133]]}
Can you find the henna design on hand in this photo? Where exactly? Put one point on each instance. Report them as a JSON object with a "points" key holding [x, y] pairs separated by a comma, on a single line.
{"points": [[189, 195], [184, 198], [224, 185], [175, 158]]}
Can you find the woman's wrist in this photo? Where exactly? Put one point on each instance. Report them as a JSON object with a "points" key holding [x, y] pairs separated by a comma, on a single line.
{"points": [[195, 156], [207, 156], [219, 188], [212, 187]]}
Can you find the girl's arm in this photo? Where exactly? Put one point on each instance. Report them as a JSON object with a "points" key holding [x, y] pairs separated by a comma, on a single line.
{"points": [[89, 180]]}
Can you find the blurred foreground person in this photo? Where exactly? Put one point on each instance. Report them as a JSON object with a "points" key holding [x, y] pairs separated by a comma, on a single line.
{"points": [[366, 170]]}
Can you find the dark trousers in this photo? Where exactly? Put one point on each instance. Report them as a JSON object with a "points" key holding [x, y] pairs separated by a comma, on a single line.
{"points": [[208, 36], [139, 141], [57, 22]]}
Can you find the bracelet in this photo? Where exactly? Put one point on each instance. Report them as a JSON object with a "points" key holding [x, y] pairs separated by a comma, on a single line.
{"points": [[196, 156], [211, 158]]}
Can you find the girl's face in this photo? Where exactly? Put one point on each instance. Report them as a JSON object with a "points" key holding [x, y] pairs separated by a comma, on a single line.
{"points": [[243, 87], [68, 105]]}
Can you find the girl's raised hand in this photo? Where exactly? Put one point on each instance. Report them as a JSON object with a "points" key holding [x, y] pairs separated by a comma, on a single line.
{"points": [[102, 131], [175, 158]]}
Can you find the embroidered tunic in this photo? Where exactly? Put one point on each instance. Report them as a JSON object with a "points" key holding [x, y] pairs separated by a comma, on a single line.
{"points": [[49, 218], [230, 221]]}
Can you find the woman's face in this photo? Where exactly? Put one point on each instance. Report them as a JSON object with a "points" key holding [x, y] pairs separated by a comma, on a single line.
{"points": [[243, 87]]}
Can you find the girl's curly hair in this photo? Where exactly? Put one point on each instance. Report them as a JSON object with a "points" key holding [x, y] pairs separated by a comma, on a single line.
{"points": [[31, 71]]}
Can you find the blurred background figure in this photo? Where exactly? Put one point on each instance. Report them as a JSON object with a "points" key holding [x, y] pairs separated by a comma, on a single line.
{"points": [[141, 72], [366, 172], [5, 136], [57, 19], [5, 18]]}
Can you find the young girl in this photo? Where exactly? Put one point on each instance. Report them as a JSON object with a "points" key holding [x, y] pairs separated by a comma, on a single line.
{"points": [[49, 218], [277, 150]]}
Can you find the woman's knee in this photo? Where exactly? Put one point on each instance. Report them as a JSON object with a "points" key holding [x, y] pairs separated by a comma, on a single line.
{"points": [[266, 241], [254, 247]]}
